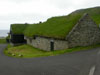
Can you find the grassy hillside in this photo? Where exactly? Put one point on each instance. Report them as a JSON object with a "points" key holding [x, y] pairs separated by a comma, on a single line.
{"points": [[59, 27], [93, 12], [18, 28]]}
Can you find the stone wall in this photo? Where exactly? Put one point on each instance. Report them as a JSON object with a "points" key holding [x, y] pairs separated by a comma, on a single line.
{"points": [[43, 43], [84, 33]]}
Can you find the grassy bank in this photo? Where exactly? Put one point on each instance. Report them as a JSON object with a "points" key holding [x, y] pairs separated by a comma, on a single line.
{"points": [[28, 51], [2, 41]]}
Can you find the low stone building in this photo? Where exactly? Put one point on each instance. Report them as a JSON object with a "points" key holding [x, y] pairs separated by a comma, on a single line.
{"points": [[47, 43], [84, 33]]}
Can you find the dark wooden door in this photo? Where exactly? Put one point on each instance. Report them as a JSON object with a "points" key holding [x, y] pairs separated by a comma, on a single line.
{"points": [[52, 46]]}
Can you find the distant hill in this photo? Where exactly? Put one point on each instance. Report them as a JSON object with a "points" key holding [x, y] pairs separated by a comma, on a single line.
{"points": [[93, 12], [59, 27]]}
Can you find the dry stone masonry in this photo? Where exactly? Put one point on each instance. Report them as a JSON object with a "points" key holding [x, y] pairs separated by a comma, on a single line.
{"points": [[47, 44], [84, 33]]}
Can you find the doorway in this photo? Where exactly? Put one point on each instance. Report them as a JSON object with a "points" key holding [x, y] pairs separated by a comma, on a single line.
{"points": [[52, 45]]}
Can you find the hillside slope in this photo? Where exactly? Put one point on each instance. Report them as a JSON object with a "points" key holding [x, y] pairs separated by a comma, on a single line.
{"points": [[93, 12]]}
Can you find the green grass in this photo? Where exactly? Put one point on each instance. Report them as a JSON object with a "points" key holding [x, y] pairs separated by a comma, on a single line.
{"points": [[59, 27], [18, 28], [93, 12], [2, 41], [29, 52]]}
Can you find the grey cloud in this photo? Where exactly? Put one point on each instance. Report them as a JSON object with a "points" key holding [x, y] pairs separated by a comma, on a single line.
{"points": [[69, 4], [23, 17], [61, 3], [6, 21], [64, 5]]}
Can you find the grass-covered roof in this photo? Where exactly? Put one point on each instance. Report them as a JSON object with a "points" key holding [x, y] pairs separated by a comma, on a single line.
{"points": [[93, 12], [18, 28], [57, 27]]}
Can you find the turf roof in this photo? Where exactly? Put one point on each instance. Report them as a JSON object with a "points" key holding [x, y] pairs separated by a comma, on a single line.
{"points": [[18, 28], [57, 27]]}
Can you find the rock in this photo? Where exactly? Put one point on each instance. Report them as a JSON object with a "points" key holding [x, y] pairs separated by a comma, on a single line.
{"points": [[20, 55], [13, 54]]}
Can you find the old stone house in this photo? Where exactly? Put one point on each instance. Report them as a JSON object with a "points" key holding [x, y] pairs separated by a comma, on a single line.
{"points": [[84, 33]]}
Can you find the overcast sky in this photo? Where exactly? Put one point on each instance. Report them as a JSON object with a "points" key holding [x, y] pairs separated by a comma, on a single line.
{"points": [[33, 11]]}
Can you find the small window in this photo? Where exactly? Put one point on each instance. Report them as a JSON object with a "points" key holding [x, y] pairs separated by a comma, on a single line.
{"points": [[34, 37], [30, 40]]}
